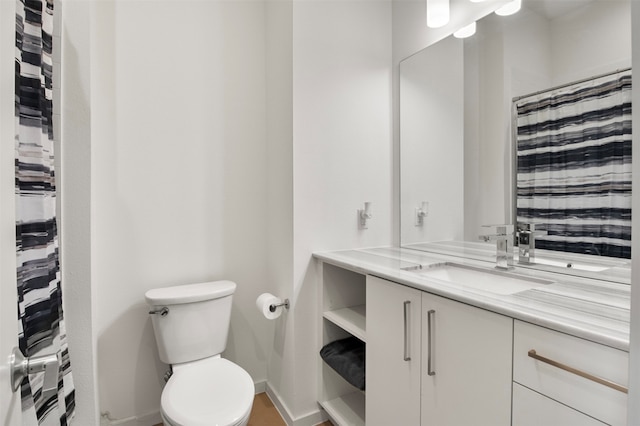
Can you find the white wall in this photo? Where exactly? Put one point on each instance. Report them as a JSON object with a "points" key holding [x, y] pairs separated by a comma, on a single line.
{"points": [[279, 67], [341, 128], [593, 40], [195, 162], [75, 216], [178, 173]]}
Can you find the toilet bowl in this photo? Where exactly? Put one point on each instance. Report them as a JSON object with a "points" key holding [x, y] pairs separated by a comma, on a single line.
{"points": [[210, 392], [191, 324]]}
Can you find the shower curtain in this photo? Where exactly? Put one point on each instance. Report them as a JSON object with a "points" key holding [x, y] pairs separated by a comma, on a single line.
{"points": [[574, 166], [40, 317]]}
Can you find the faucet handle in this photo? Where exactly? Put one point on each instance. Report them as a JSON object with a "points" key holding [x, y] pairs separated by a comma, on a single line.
{"points": [[526, 239], [529, 228], [526, 227], [500, 232], [503, 236]]}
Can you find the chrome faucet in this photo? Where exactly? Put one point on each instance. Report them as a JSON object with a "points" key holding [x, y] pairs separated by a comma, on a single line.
{"points": [[526, 237], [503, 236], [526, 243]]}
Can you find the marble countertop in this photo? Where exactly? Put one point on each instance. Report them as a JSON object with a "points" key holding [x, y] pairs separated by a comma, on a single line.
{"points": [[617, 270], [589, 308]]}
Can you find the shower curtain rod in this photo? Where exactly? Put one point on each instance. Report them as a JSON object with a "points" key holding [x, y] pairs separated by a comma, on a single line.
{"points": [[517, 98]]}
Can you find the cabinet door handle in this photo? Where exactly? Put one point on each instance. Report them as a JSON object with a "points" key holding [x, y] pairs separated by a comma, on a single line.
{"points": [[407, 355], [431, 323], [532, 353]]}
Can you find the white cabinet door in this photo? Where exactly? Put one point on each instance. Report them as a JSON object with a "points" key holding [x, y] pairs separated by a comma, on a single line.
{"points": [[393, 353], [533, 409], [466, 364]]}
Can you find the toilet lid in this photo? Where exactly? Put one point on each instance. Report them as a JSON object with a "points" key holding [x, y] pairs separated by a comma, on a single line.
{"points": [[212, 392]]}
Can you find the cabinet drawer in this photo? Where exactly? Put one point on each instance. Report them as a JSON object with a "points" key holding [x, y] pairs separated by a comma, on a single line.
{"points": [[585, 395], [532, 409]]}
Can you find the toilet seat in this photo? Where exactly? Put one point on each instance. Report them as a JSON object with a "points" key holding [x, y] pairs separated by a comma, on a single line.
{"points": [[209, 392]]}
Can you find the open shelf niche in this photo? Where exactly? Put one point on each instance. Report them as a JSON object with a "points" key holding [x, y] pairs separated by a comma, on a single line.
{"points": [[343, 314]]}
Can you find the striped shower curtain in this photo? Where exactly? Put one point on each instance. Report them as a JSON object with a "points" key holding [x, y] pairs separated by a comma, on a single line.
{"points": [[41, 323], [574, 166]]}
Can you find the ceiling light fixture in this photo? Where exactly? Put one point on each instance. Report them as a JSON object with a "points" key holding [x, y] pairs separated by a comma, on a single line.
{"points": [[437, 13], [510, 8], [467, 31]]}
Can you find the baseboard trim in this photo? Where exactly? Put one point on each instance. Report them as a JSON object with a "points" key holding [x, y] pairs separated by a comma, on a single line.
{"points": [[310, 419], [152, 418], [261, 387]]}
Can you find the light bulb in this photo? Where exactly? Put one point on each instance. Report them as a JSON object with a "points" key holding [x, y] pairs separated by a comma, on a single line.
{"points": [[467, 31], [437, 13], [510, 8]]}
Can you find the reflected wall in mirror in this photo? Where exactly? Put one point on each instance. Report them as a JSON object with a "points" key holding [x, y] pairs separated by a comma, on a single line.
{"points": [[457, 150]]}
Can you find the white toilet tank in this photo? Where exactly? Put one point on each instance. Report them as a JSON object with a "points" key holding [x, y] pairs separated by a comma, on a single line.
{"points": [[197, 323]]}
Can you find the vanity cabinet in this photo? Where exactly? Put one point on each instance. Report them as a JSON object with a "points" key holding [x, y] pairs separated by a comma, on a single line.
{"points": [[533, 409], [393, 353], [434, 361], [466, 364], [556, 372]]}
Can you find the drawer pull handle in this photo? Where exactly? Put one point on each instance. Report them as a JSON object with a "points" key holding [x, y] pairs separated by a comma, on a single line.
{"points": [[431, 323], [407, 355], [608, 383]]}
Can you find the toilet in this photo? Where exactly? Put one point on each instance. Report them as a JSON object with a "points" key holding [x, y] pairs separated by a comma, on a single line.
{"points": [[191, 324]]}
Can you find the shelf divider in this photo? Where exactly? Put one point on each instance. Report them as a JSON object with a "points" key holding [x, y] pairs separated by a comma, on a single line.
{"points": [[348, 409], [351, 319]]}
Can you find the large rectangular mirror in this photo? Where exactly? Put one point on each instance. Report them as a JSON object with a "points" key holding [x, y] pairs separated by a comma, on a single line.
{"points": [[458, 152]]}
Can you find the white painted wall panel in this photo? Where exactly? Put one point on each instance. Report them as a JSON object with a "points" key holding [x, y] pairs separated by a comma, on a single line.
{"points": [[179, 167], [75, 217], [341, 152]]}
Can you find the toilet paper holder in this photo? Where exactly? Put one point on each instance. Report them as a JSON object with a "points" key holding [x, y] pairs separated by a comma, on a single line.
{"points": [[274, 306]]}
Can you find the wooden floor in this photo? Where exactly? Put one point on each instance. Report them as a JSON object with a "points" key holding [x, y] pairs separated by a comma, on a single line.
{"points": [[264, 413]]}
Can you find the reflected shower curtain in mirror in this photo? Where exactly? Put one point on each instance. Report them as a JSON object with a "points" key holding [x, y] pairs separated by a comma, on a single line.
{"points": [[574, 166], [41, 322]]}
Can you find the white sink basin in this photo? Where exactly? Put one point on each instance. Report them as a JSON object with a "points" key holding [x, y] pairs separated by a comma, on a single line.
{"points": [[469, 277]]}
